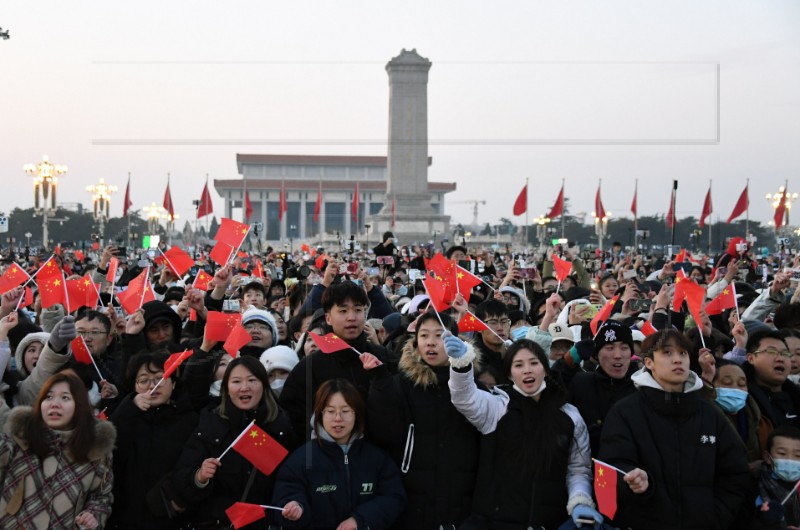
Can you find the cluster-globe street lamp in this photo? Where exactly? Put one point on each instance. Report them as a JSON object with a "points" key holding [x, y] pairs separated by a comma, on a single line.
{"points": [[45, 183], [601, 228], [101, 201]]}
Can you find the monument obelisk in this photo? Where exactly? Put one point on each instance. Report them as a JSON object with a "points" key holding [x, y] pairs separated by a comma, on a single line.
{"points": [[407, 181]]}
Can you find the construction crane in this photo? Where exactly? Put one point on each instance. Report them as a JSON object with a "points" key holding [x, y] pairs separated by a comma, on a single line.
{"points": [[474, 209]]}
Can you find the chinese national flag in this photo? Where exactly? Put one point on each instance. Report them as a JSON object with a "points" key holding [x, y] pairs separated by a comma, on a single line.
{"points": [[725, 300], [465, 281], [599, 210], [168, 206], [470, 322], [221, 253], [27, 299], [260, 449], [229, 237], [178, 261], [52, 291], [248, 206], [14, 275], [80, 352], [205, 207], [521, 204], [79, 255], [354, 205], [219, 325], [671, 213], [562, 268], [780, 211], [680, 257], [648, 329], [318, 205], [138, 293], [78, 291], [202, 280], [236, 339], [603, 314], [48, 270], [258, 270], [92, 293], [328, 343], [741, 205], [174, 361], [679, 297], [605, 489], [126, 205], [634, 206], [437, 291], [443, 282], [242, 514], [707, 209], [111, 275], [558, 207], [695, 294]]}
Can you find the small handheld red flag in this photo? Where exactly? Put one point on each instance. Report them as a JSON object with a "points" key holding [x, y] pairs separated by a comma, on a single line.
{"points": [[725, 300], [603, 314], [52, 291], [648, 329], [14, 275], [178, 261], [470, 322], [111, 275], [80, 352], [695, 294], [174, 361], [605, 489], [260, 449], [328, 343], [562, 268], [138, 293], [242, 514], [219, 325], [202, 280], [236, 339]]}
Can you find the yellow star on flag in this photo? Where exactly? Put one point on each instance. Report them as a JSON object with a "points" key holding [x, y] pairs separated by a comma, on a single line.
{"points": [[57, 282], [253, 434], [600, 471], [725, 291]]}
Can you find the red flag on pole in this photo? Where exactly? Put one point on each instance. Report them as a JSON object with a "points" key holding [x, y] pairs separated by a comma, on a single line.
{"points": [[603, 314], [470, 322], [706, 208], [202, 280], [671, 213], [236, 339], [242, 514], [465, 281], [562, 268], [521, 204], [725, 300], [260, 449], [128, 203], [741, 205], [558, 207], [605, 489], [111, 275], [80, 352], [168, 206], [14, 276], [258, 269], [53, 291], [354, 205], [283, 205], [599, 211], [229, 237], [328, 343], [138, 293], [178, 261], [248, 206], [48, 270], [634, 208], [92, 292], [219, 325], [780, 211], [678, 297], [206, 207], [695, 294], [318, 205], [174, 361], [648, 328]]}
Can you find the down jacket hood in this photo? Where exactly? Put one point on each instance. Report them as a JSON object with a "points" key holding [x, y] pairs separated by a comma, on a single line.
{"points": [[19, 354], [413, 366], [643, 378]]}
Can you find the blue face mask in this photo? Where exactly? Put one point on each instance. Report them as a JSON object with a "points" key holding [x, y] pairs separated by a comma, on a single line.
{"points": [[788, 470], [731, 400]]}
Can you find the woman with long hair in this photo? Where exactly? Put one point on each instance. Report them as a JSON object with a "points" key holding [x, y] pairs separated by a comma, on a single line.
{"points": [[210, 485], [339, 480], [55, 461], [535, 461], [411, 416]]}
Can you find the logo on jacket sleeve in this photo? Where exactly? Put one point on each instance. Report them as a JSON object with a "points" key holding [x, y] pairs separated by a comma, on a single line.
{"points": [[367, 488], [326, 488]]}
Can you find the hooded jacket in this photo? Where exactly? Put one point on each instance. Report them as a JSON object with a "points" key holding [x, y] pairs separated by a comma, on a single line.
{"points": [[773, 411], [333, 482], [155, 310], [411, 416], [39, 495], [695, 463], [48, 364]]}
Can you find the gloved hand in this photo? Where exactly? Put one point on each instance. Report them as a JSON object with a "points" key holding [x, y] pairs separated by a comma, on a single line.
{"points": [[455, 347], [585, 512], [773, 514], [63, 332], [520, 333], [581, 350]]}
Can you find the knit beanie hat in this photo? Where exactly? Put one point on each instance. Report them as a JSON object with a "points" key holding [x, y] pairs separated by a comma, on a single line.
{"points": [[612, 331]]}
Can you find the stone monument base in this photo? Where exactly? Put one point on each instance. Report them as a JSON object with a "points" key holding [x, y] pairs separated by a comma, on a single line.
{"points": [[409, 229]]}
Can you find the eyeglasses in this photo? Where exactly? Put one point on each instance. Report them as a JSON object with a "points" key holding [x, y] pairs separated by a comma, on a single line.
{"points": [[502, 321], [253, 326], [776, 353], [146, 382], [345, 414], [92, 334]]}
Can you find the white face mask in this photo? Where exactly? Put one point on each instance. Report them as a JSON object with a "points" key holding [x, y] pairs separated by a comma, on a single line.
{"points": [[277, 386], [215, 388]]}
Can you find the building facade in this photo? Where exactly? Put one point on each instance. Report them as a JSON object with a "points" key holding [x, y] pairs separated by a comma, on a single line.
{"points": [[303, 176]]}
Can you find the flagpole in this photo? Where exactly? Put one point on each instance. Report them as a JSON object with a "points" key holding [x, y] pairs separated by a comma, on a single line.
{"points": [[237, 439], [563, 197], [127, 210], [146, 284], [747, 212], [526, 213], [708, 250], [674, 212], [615, 468], [636, 218]]}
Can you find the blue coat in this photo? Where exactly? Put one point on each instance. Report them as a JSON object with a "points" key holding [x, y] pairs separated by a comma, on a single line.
{"points": [[332, 486]]}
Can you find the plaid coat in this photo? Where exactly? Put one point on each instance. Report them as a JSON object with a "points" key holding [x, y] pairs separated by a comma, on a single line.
{"points": [[50, 494]]}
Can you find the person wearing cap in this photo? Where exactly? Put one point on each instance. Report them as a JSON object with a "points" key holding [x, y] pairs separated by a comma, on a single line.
{"points": [[261, 326], [685, 465], [594, 393], [345, 310], [562, 340], [279, 362]]}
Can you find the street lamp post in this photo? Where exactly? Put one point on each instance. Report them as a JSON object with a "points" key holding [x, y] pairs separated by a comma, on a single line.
{"points": [[45, 179], [601, 228], [292, 229], [101, 202], [154, 214], [28, 238], [775, 199], [541, 229]]}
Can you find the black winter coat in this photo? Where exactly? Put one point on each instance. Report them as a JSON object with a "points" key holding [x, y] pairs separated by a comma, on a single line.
{"points": [[443, 466], [593, 394], [211, 437], [332, 486], [695, 461], [297, 397], [148, 445], [776, 408]]}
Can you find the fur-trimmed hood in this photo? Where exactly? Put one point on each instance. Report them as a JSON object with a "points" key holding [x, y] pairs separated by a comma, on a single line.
{"points": [[105, 433], [421, 373]]}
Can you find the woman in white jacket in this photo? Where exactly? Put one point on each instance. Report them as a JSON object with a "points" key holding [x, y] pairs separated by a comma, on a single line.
{"points": [[535, 463]]}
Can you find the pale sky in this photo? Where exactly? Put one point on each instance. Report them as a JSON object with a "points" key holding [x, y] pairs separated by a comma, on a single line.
{"points": [[579, 90]]}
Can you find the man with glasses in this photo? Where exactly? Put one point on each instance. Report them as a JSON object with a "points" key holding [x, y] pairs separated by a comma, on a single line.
{"points": [[767, 368], [491, 343], [95, 328], [262, 327]]}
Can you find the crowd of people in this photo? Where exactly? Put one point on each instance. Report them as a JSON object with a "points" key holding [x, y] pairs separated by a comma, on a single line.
{"points": [[492, 413]]}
